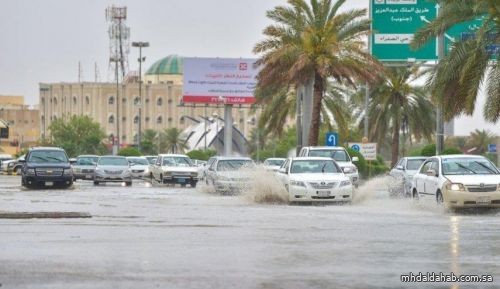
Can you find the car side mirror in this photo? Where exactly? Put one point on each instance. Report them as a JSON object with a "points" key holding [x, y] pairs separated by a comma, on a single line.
{"points": [[211, 169], [355, 159], [282, 171], [431, 173], [22, 160], [72, 161], [400, 168]]}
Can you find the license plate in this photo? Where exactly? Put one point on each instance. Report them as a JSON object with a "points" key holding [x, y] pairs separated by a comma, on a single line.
{"points": [[49, 183], [324, 193], [88, 176], [181, 180], [483, 200]]}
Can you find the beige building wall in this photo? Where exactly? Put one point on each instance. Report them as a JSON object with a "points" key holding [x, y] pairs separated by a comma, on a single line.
{"points": [[24, 128], [161, 106]]}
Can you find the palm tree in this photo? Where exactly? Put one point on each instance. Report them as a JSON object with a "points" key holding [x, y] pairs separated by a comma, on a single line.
{"points": [[148, 141], [396, 104], [335, 109], [313, 41], [173, 141], [480, 139], [460, 74]]}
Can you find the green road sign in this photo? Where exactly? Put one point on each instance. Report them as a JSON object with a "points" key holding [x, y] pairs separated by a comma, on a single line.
{"points": [[394, 22]]}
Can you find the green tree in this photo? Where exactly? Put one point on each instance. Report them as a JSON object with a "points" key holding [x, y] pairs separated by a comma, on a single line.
{"points": [[458, 77], [480, 139], [173, 140], [314, 41], [129, 152], [78, 135], [149, 142], [202, 155], [397, 105]]}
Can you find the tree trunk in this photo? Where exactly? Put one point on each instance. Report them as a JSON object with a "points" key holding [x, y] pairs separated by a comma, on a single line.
{"points": [[395, 142], [316, 112]]}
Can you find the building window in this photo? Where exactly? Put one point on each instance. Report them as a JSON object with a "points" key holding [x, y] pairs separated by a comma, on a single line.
{"points": [[111, 119], [159, 119], [43, 100], [43, 118], [87, 100], [147, 100], [169, 119], [124, 137], [241, 120], [169, 100], [182, 120], [136, 119], [111, 100], [74, 100], [55, 101], [124, 118], [147, 118], [137, 100], [159, 101], [124, 99], [135, 138]]}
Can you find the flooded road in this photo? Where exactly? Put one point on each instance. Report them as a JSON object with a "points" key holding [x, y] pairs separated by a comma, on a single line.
{"points": [[147, 236]]}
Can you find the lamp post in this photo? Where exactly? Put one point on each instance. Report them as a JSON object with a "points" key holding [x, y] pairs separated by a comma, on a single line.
{"points": [[141, 60], [216, 119]]}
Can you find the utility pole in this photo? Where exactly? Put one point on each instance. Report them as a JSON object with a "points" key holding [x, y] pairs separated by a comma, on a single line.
{"points": [[439, 107], [141, 59], [116, 146]]}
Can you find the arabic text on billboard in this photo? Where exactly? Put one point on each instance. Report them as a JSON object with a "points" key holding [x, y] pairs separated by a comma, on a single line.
{"points": [[219, 80]]}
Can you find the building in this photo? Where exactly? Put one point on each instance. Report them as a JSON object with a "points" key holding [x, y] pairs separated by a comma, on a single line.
{"points": [[23, 124], [161, 96]]}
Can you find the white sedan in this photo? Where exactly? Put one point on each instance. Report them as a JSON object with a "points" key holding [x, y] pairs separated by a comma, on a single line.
{"points": [[458, 181], [312, 179], [175, 169]]}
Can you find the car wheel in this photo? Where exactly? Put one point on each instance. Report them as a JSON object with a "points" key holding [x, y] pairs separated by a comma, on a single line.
{"points": [[128, 184], [415, 194], [151, 176], [161, 179], [96, 183], [17, 170], [439, 198], [193, 184], [183, 185]]}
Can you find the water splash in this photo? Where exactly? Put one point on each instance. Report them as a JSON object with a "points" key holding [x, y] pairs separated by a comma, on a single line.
{"points": [[375, 188], [264, 187]]}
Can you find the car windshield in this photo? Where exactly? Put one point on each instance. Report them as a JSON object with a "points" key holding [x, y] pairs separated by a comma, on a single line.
{"points": [[138, 161], [86, 161], [313, 167], [112, 161], [468, 166], [233, 165], [176, 162], [151, 160], [274, 162], [413, 165], [48, 157], [338, 155]]}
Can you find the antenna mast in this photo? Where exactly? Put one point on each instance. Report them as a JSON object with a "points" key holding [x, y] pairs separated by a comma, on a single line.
{"points": [[119, 40]]}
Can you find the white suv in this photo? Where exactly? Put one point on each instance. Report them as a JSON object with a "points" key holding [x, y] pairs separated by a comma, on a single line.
{"points": [[340, 155]]}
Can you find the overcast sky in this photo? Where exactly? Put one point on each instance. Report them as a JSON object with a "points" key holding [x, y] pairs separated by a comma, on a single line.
{"points": [[43, 40]]}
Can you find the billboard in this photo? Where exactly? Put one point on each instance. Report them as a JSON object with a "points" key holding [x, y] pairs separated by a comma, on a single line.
{"points": [[219, 80]]}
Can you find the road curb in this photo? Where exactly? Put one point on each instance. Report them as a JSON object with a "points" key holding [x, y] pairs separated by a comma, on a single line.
{"points": [[44, 215]]}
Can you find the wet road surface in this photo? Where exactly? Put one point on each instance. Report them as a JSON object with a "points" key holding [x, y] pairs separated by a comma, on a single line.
{"points": [[150, 236]]}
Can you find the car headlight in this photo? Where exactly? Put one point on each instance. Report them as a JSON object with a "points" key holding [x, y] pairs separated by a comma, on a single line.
{"points": [[455, 187], [68, 172], [31, 172], [168, 173], [298, 183], [350, 170], [345, 183], [194, 174], [10, 165], [99, 171], [77, 170]]}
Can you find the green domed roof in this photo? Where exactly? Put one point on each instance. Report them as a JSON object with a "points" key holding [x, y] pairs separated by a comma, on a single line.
{"points": [[171, 64]]}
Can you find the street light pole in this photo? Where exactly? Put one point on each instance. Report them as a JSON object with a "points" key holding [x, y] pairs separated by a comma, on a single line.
{"points": [[216, 116], [141, 59], [117, 60]]}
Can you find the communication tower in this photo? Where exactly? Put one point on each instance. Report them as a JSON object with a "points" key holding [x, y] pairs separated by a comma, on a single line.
{"points": [[119, 41]]}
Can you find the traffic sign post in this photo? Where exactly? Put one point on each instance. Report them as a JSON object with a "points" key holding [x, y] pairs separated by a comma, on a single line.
{"points": [[368, 150], [492, 148], [332, 139]]}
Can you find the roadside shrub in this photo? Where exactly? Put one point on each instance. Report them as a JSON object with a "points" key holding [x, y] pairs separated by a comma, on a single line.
{"points": [[201, 155], [452, 151], [129, 152]]}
